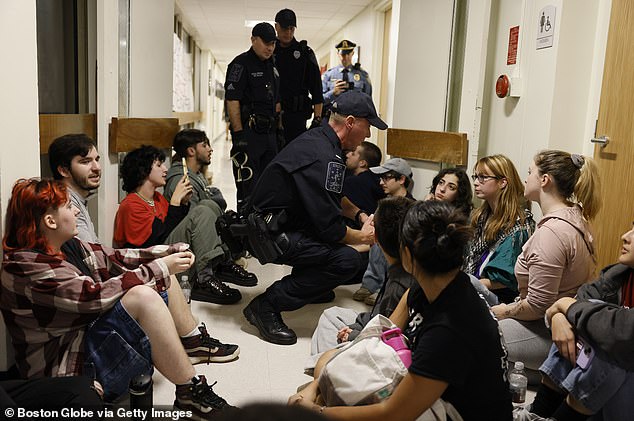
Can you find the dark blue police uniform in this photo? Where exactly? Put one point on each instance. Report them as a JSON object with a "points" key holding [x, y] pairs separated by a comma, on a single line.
{"points": [[306, 179], [255, 83], [299, 75]]}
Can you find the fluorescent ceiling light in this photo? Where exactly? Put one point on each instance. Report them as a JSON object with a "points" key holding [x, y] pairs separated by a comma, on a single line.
{"points": [[252, 23]]}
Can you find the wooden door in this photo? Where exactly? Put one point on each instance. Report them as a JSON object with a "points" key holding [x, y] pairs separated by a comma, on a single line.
{"points": [[616, 120]]}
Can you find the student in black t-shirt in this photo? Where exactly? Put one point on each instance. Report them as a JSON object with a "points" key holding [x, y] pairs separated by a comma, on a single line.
{"points": [[457, 351]]}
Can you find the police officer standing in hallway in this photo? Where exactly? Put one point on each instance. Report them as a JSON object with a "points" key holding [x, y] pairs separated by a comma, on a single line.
{"points": [[345, 76], [299, 75], [306, 180], [252, 95]]}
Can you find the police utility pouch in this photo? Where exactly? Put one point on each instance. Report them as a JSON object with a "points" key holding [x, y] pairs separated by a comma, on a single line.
{"points": [[261, 124], [223, 227], [265, 241]]}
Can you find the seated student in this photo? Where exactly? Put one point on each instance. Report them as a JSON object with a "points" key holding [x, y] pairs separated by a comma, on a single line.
{"points": [[452, 185], [395, 178], [73, 307], [193, 145], [145, 218], [558, 258], [338, 324], [502, 226], [362, 186], [601, 317], [457, 351]]}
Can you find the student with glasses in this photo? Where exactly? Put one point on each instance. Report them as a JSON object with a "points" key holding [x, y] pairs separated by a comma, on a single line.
{"points": [[502, 226], [395, 177]]}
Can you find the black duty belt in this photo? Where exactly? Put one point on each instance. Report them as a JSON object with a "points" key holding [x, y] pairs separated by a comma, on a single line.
{"points": [[261, 124]]}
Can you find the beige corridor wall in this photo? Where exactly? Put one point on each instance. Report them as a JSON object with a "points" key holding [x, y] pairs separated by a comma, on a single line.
{"points": [[560, 85], [19, 124]]}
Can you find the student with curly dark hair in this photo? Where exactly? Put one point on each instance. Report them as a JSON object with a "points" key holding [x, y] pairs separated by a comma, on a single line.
{"points": [[457, 351], [452, 185], [146, 218]]}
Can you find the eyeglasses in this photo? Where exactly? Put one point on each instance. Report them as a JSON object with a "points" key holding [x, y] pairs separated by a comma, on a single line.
{"points": [[385, 177], [483, 178]]}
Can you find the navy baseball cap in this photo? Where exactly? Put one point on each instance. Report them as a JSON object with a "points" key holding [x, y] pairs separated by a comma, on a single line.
{"points": [[265, 31], [286, 18], [358, 104]]}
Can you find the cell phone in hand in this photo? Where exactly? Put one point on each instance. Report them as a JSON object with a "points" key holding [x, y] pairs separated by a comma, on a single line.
{"points": [[184, 167], [585, 353]]}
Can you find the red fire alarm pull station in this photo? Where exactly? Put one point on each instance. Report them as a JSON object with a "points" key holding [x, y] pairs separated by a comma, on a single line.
{"points": [[502, 86]]}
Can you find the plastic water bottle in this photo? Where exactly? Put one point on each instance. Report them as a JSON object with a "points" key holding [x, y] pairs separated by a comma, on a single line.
{"points": [[394, 339], [518, 382], [186, 287], [141, 395]]}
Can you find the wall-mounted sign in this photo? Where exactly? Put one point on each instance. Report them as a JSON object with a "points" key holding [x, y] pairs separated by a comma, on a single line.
{"points": [[546, 27], [511, 54]]}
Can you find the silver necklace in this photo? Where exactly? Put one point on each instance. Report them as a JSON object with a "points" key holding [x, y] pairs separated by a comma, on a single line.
{"points": [[149, 202]]}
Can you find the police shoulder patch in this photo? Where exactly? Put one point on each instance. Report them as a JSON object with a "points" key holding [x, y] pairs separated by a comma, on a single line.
{"points": [[235, 73], [334, 177]]}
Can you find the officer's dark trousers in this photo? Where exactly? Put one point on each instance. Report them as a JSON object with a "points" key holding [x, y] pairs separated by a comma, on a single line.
{"points": [[294, 124], [317, 268], [262, 148]]}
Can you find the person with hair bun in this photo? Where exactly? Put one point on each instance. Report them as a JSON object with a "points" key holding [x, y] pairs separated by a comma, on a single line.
{"points": [[457, 352], [559, 257], [502, 226]]}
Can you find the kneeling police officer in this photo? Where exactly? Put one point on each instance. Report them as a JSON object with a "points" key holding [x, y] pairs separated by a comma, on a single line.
{"points": [[305, 181]]}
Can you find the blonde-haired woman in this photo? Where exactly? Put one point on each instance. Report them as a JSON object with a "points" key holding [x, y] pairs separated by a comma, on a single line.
{"points": [[502, 226], [559, 257]]}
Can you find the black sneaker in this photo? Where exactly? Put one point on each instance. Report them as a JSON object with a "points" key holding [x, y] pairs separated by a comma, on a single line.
{"points": [[235, 274], [269, 323], [205, 349], [199, 398], [210, 289]]}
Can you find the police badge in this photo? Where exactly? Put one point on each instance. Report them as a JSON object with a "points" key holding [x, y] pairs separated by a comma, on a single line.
{"points": [[297, 54]]}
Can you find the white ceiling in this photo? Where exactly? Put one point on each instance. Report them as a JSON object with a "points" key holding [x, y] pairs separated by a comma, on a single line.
{"points": [[218, 25]]}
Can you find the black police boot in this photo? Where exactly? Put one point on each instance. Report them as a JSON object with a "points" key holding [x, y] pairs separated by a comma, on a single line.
{"points": [[210, 289], [269, 323], [233, 273]]}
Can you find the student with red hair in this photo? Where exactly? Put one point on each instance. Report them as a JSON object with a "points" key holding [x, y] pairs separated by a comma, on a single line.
{"points": [[77, 308]]}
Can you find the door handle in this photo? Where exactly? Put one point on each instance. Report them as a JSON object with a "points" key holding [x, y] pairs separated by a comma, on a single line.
{"points": [[602, 140]]}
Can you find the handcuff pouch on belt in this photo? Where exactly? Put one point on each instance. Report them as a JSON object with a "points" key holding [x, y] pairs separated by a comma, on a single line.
{"points": [[261, 124], [264, 238]]}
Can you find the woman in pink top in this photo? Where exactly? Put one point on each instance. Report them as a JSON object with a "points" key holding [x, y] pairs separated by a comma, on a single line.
{"points": [[558, 258]]}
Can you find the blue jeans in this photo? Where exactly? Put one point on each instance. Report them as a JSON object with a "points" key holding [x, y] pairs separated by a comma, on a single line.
{"points": [[376, 273], [118, 350], [489, 296], [602, 386]]}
